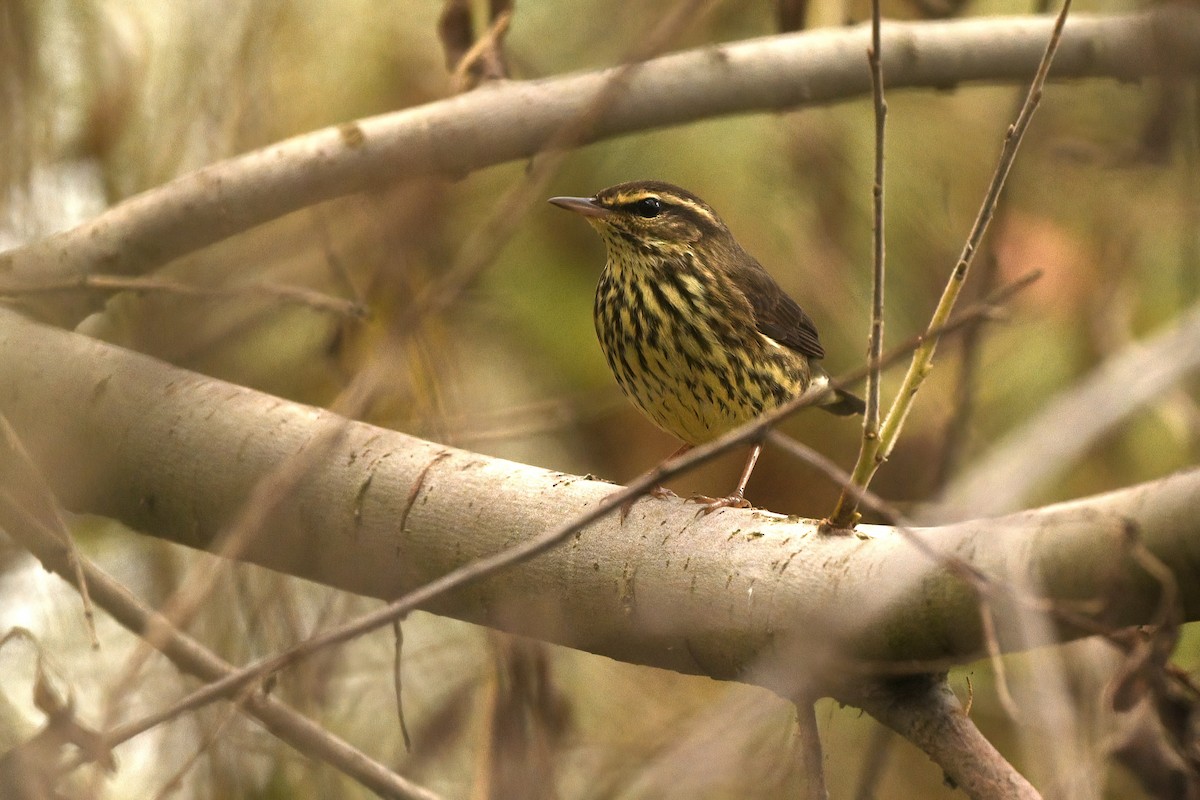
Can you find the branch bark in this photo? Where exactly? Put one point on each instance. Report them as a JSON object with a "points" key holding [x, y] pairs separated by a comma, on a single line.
{"points": [[924, 711], [738, 594], [516, 120]]}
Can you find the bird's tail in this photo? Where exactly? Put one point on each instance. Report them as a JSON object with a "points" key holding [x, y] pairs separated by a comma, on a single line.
{"points": [[838, 401], [843, 403]]}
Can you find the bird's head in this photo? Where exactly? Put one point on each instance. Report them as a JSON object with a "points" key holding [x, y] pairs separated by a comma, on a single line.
{"points": [[649, 217]]}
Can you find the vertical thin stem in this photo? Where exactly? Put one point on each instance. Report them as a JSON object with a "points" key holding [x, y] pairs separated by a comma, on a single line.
{"points": [[845, 515], [875, 345]]}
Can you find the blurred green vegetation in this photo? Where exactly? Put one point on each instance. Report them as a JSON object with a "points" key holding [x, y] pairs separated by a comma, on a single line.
{"points": [[140, 92]]}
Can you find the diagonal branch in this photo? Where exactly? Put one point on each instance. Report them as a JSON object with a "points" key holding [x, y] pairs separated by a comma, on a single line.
{"points": [[926, 712], [516, 120]]}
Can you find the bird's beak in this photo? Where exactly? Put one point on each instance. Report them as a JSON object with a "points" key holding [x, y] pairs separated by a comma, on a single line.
{"points": [[586, 206]]}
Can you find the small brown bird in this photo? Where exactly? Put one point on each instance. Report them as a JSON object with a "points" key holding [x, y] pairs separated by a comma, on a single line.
{"points": [[698, 335]]}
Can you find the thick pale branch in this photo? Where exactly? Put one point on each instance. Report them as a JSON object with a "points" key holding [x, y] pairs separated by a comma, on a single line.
{"points": [[735, 594], [514, 120]]}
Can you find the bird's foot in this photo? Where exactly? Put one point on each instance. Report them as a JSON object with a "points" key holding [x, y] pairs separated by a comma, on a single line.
{"points": [[658, 493], [711, 504]]}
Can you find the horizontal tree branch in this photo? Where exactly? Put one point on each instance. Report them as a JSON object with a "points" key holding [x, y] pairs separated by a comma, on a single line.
{"points": [[513, 120], [737, 594]]}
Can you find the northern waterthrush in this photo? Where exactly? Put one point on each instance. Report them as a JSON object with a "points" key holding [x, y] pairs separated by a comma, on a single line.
{"points": [[698, 335]]}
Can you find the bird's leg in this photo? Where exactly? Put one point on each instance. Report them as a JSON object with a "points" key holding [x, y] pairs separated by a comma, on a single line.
{"points": [[737, 499], [659, 492]]}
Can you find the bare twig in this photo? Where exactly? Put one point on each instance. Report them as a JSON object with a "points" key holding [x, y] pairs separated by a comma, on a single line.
{"points": [[870, 458], [484, 60], [119, 283], [398, 683], [992, 643], [875, 346], [870, 438]]}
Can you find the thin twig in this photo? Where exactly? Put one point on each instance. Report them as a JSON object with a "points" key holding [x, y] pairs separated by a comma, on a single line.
{"points": [[869, 446], [398, 683], [484, 60], [992, 644], [845, 513], [121, 283], [875, 346]]}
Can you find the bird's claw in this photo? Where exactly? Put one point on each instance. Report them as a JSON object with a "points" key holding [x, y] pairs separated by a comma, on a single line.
{"points": [[711, 504], [658, 493]]}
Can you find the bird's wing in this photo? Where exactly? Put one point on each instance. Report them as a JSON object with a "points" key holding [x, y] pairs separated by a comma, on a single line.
{"points": [[778, 315]]}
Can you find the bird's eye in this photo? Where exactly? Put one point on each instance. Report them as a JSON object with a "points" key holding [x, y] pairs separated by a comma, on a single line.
{"points": [[647, 207]]}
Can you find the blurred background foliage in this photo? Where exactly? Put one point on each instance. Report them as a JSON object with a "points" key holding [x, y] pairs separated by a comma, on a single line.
{"points": [[107, 99]]}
